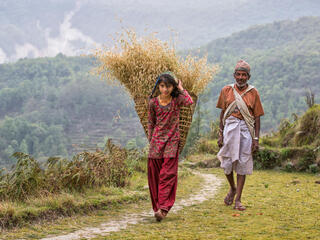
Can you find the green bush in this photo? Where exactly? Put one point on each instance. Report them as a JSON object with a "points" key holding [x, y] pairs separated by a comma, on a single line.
{"points": [[24, 180], [270, 141], [309, 128], [308, 158], [289, 167], [314, 168], [266, 159]]}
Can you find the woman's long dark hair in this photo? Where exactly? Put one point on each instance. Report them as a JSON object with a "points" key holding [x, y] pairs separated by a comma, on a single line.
{"points": [[167, 79]]}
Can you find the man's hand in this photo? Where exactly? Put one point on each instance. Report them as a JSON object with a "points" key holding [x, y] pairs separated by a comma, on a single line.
{"points": [[255, 145], [220, 141]]}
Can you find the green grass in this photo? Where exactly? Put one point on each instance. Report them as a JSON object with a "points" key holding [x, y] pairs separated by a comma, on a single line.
{"points": [[280, 205], [187, 184], [17, 214]]}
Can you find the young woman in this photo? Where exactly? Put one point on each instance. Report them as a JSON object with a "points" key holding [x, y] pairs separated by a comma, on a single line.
{"points": [[164, 137]]}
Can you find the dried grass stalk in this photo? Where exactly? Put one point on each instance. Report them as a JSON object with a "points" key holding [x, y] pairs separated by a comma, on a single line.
{"points": [[136, 63]]}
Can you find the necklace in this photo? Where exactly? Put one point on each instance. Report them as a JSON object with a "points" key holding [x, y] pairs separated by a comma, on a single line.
{"points": [[164, 102]]}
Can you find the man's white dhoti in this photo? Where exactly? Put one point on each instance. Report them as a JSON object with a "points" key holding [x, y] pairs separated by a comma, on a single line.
{"points": [[235, 153]]}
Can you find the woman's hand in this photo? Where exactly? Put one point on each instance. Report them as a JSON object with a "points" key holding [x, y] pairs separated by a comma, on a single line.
{"points": [[180, 87]]}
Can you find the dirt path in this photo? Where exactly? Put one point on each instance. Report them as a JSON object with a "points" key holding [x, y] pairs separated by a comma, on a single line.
{"points": [[210, 186]]}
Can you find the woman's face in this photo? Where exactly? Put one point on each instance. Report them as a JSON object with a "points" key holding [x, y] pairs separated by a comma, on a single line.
{"points": [[165, 90]]}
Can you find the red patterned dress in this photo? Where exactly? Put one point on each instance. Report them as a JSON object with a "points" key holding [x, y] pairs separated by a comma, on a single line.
{"points": [[164, 137], [163, 126]]}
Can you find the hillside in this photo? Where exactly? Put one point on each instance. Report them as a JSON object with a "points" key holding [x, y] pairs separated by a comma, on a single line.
{"points": [[54, 106], [284, 57]]}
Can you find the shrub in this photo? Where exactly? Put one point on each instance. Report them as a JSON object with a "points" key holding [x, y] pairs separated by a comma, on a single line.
{"points": [[270, 141], [289, 167], [87, 169], [308, 158], [314, 168], [266, 159], [309, 127], [25, 179]]}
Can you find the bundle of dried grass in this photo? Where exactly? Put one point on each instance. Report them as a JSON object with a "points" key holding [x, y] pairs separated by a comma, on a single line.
{"points": [[136, 63]]}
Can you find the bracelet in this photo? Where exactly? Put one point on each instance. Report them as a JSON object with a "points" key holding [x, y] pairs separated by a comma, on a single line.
{"points": [[255, 138]]}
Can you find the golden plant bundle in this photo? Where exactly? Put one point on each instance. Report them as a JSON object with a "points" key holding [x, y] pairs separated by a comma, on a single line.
{"points": [[136, 63]]}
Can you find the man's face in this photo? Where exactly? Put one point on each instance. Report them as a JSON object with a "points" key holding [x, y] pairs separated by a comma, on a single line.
{"points": [[241, 78]]}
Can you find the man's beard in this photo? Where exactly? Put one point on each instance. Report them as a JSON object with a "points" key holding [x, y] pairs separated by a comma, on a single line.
{"points": [[241, 85]]}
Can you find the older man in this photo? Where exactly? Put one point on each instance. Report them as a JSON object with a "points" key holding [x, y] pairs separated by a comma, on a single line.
{"points": [[239, 130]]}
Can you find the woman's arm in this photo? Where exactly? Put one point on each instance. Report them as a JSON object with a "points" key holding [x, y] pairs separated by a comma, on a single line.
{"points": [[151, 121], [184, 98]]}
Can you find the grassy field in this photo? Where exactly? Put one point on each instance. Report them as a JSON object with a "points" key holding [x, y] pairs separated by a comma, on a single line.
{"points": [[280, 205], [53, 206], [134, 198]]}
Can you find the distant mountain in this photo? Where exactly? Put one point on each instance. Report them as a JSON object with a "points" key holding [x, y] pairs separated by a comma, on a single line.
{"points": [[44, 28]]}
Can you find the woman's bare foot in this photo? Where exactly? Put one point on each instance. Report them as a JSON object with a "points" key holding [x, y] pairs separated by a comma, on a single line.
{"points": [[160, 215], [228, 200]]}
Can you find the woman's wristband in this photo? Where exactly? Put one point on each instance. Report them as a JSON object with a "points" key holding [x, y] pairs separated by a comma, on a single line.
{"points": [[256, 138]]}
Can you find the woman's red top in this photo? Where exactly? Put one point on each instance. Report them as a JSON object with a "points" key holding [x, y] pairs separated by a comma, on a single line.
{"points": [[163, 126]]}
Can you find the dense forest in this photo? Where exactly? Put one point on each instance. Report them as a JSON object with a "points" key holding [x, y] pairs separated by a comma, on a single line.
{"points": [[55, 106]]}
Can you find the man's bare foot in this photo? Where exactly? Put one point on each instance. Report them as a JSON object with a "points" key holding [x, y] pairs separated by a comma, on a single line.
{"points": [[228, 200], [238, 206]]}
